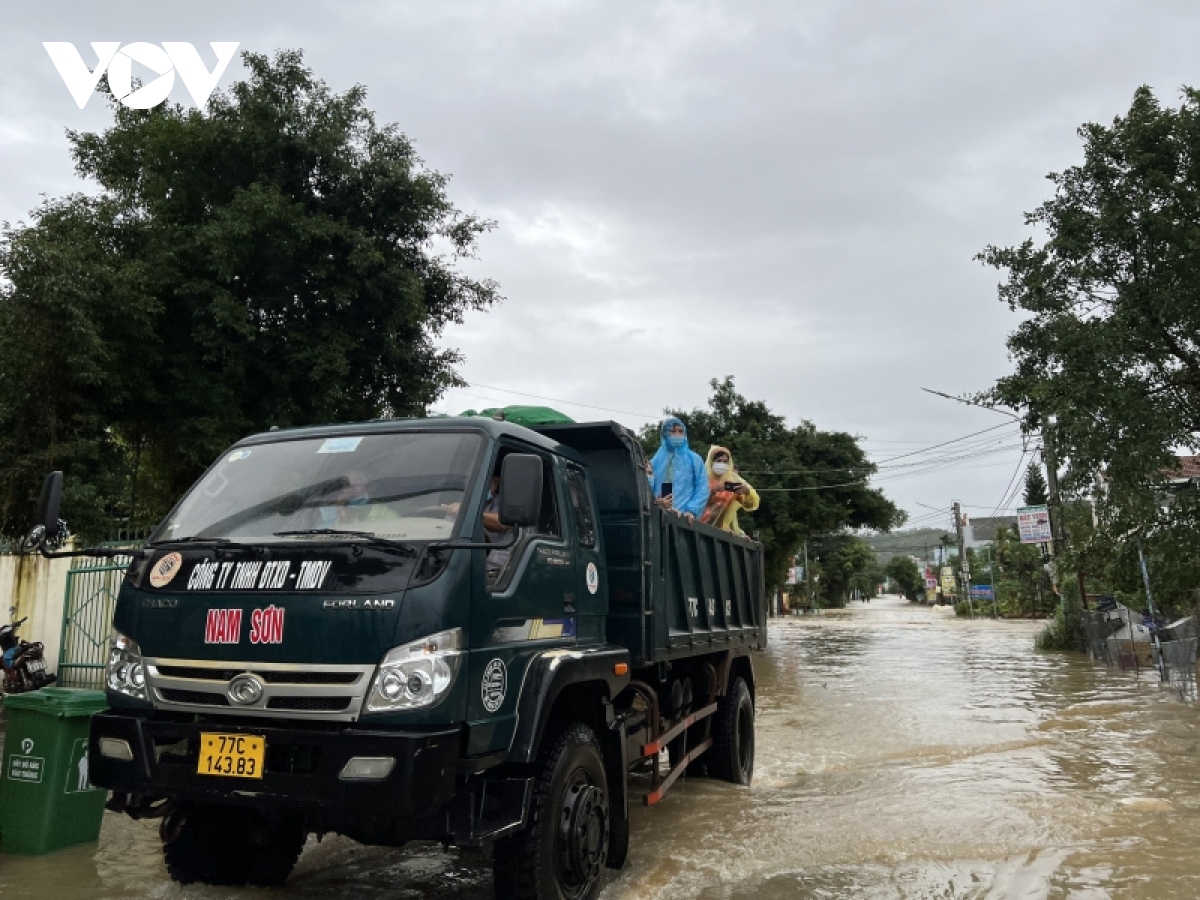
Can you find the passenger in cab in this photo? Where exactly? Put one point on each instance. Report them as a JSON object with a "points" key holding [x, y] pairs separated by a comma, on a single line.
{"points": [[728, 492], [346, 503], [493, 529], [497, 533], [677, 476]]}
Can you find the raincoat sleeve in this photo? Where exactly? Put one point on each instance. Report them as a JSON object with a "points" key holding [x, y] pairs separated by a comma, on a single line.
{"points": [[658, 465], [748, 501]]}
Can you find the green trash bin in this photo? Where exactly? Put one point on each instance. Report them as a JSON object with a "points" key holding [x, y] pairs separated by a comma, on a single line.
{"points": [[46, 800]]}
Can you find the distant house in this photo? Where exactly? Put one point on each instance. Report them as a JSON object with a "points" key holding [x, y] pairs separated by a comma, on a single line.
{"points": [[983, 530], [1185, 471]]}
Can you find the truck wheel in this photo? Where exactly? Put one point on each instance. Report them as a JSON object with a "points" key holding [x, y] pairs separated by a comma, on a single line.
{"points": [[228, 845], [277, 845], [561, 852], [732, 755]]}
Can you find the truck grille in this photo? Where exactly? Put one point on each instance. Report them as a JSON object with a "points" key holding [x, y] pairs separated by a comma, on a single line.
{"points": [[322, 691], [196, 698], [309, 704], [271, 677]]}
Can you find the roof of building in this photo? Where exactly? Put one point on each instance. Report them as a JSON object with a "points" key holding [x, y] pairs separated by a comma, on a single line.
{"points": [[1186, 468]]}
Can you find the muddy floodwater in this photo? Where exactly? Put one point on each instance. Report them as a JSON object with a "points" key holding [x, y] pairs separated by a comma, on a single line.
{"points": [[901, 753]]}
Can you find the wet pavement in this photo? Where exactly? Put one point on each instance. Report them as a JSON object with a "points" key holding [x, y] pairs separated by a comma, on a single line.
{"points": [[902, 753]]}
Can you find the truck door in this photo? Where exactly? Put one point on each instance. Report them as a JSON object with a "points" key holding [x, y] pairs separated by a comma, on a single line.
{"points": [[524, 609], [591, 584]]}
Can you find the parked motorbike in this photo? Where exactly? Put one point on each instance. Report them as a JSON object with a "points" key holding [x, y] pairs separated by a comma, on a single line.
{"points": [[23, 663]]}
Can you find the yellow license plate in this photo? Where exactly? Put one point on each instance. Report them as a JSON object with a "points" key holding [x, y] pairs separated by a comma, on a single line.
{"points": [[231, 755]]}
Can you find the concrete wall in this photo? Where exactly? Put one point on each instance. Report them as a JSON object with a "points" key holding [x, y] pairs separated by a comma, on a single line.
{"points": [[34, 587]]}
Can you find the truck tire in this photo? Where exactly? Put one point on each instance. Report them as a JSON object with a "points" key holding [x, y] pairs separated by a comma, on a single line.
{"points": [[732, 755], [229, 845], [277, 845], [561, 852]]}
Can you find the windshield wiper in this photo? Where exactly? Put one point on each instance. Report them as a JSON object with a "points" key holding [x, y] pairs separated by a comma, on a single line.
{"points": [[221, 543], [369, 536]]}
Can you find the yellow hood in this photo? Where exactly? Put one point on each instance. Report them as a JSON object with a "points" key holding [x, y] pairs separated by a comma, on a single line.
{"points": [[728, 476]]}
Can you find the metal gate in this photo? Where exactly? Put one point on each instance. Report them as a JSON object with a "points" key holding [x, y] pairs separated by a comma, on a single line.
{"points": [[87, 624]]}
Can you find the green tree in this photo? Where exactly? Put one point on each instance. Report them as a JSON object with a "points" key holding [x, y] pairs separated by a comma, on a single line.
{"points": [[844, 562], [1037, 492], [810, 482], [868, 580], [1109, 345], [276, 259], [906, 576], [1023, 586], [1108, 352]]}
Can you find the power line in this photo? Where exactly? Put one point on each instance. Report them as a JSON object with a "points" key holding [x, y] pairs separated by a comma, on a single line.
{"points": [[944, 443], [817, 487], [1005, 498], [961, 453]]}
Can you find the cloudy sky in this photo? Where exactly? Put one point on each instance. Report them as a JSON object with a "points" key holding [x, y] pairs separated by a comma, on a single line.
{"points": [[790, 193]]}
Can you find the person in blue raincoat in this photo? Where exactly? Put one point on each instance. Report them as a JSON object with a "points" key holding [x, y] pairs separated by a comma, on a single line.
{"points": [[677, 476]]}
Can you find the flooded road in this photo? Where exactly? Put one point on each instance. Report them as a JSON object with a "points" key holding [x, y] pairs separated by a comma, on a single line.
{"points": [[901, 753]]}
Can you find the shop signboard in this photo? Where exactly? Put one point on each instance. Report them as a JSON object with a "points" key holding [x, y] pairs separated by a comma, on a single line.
{"points": [[1034, 524], [949, 585]]}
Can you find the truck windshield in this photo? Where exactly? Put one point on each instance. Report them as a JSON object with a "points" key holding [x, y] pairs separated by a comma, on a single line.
{"points": [[397, 486]]}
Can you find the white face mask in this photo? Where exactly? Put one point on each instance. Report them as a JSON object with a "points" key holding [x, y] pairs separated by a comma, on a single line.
{"points": [[720, 468]]}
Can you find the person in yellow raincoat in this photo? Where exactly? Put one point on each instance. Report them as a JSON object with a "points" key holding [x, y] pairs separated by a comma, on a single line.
{"points": [[728, 492]]}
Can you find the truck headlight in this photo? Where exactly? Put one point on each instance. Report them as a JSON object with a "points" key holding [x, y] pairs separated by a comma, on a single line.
{"points": [[416, 675], [125, 672]]}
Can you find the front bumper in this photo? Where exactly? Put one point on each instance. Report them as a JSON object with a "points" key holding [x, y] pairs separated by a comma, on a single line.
{"points": [[300, 773]]}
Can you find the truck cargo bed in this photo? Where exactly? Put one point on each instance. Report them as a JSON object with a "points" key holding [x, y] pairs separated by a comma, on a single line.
{"points": [[675, 589]]}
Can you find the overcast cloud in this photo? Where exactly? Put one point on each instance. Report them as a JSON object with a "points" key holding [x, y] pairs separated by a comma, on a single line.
{"points": [[789, 193]]}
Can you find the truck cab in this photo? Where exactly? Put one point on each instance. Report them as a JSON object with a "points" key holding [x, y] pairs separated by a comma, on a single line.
{"points": [[414, 629]]}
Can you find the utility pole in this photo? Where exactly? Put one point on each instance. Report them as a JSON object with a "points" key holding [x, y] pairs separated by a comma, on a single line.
{"points": [[992, 581], [1051, 460], [964, 568], [1145, 575], [1162, 674], [812, 604]]}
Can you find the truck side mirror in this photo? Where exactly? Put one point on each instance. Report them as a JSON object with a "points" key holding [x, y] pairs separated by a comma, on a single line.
{"points": [[520, 489], [48, 505]]}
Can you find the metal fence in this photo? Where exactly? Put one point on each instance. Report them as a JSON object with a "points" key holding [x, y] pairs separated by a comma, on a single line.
{"points": [[1179, 666], [1096, 630], [1174, 657], [87, 623], [1102, 634]]}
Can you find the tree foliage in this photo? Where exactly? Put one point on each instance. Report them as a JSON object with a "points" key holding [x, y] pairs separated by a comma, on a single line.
{"points": [[842, 563], [1036, 493], [276, 259], [1022, 583], [811, 482], [1108, 354], [1110, 346], [906, 575]]}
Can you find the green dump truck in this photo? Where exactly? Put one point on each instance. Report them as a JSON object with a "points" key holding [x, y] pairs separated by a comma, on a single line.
{"points": [[458, 630]]}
